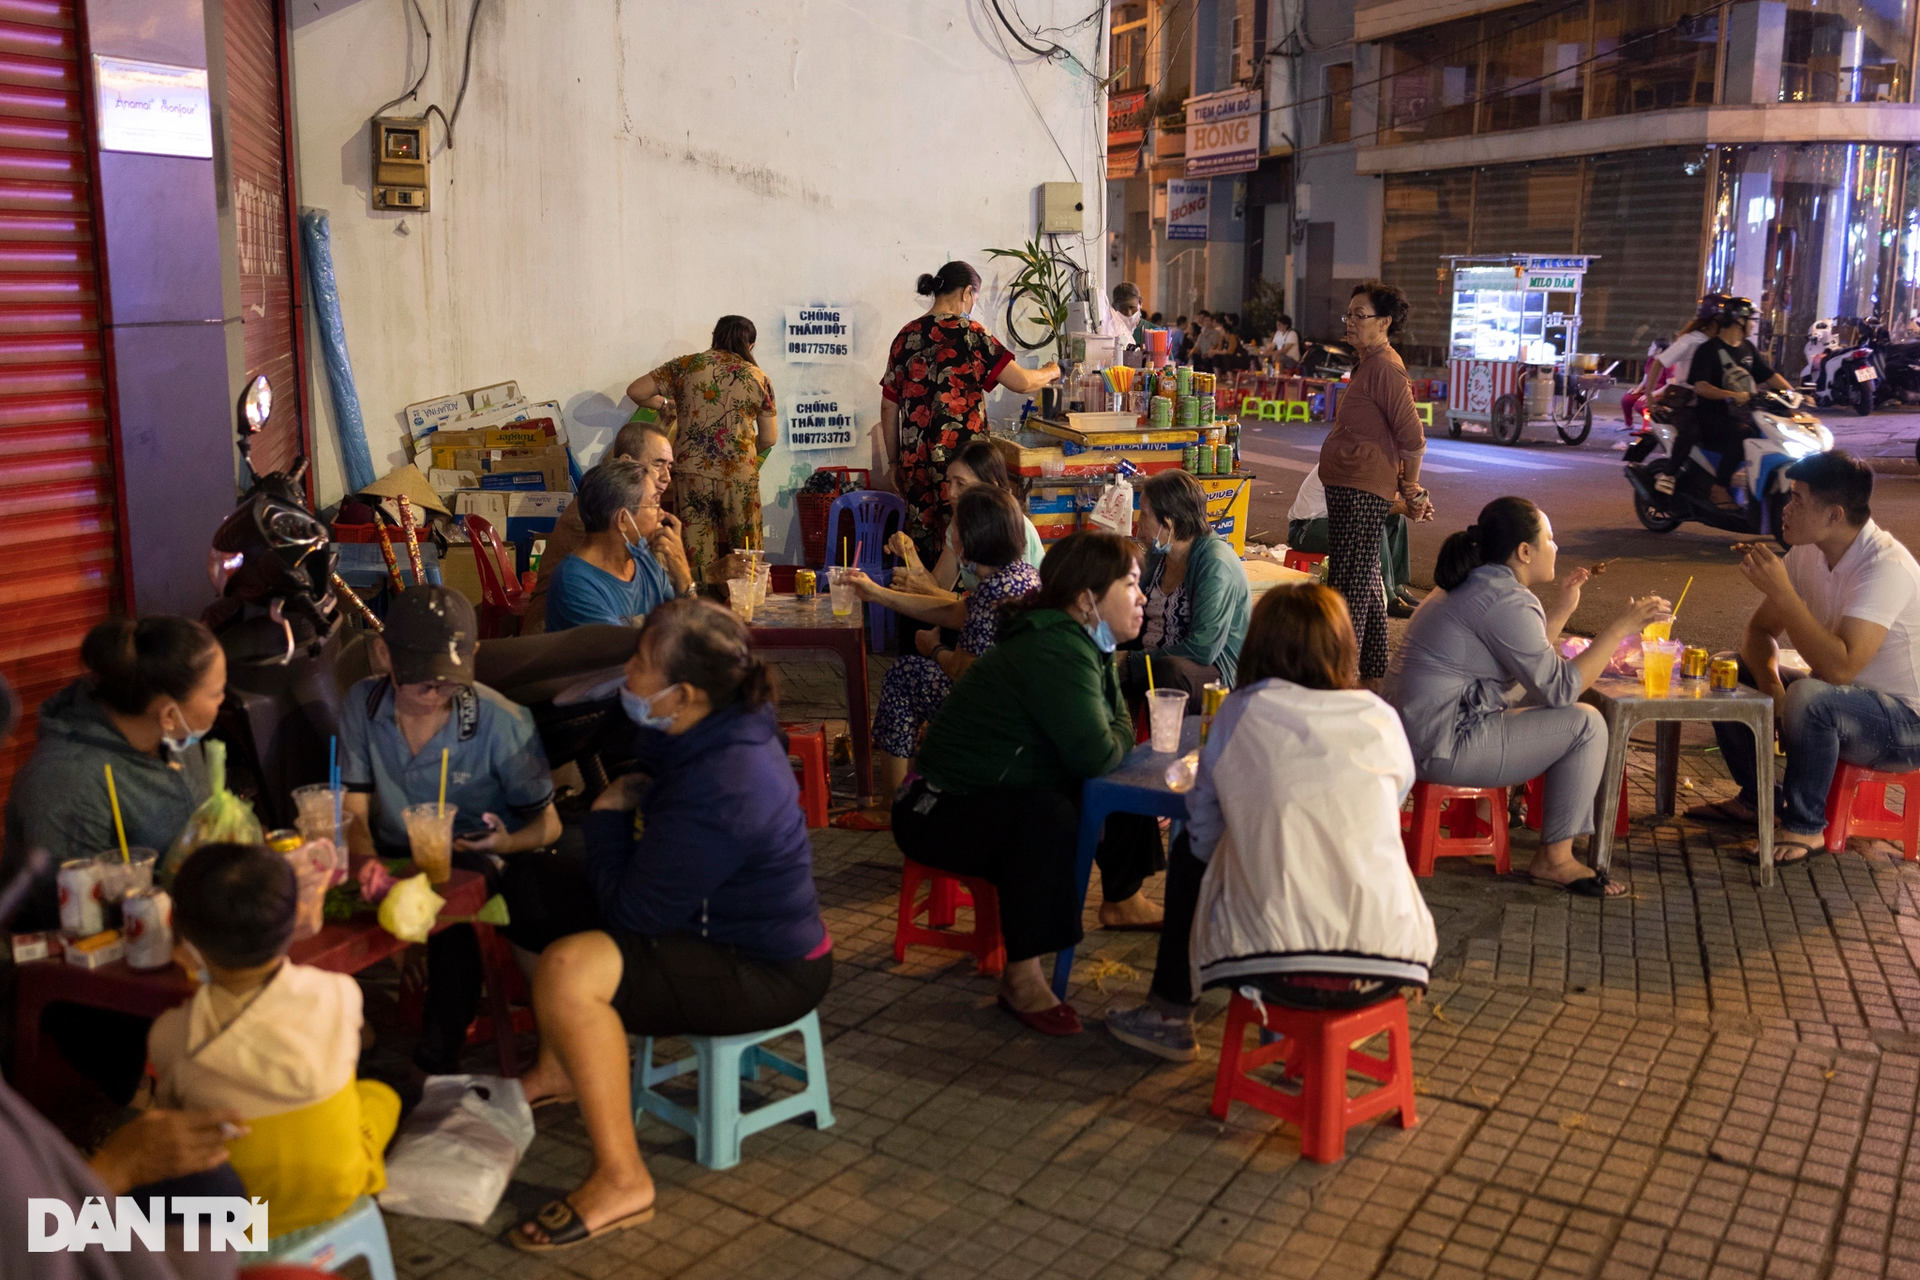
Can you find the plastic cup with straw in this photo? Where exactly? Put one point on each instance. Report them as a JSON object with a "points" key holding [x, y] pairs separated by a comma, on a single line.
{"points": [[119, 827], [1663, 630], [1166, 709]]}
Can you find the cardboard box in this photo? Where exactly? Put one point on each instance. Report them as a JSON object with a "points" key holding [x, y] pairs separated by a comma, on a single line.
{"points": [[483, 398], [429, 416], [491, 507], [35, 946], [447, 482], [97, 950], [550, 462], [517, 411], [514, 482], [537, 433], [534, 506]]}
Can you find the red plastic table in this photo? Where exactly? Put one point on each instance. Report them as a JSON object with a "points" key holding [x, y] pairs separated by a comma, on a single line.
{"points": [[788, 622], [339, 947]]}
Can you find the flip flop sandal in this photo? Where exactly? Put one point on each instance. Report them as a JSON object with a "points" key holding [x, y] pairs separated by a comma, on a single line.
{"points": [[1751, 855], [857, 820], [565, 1227], [551, 1100], [1593, 886], [1150, 926]]}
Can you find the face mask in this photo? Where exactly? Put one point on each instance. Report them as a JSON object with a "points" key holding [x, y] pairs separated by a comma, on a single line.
{"points": [[640, 710], [633, 548], [201, 974], [970, 567], [193, 735], [1164, 541], [1102, 636]]}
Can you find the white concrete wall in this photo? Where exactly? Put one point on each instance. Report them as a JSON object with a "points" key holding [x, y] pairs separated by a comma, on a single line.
{"points": [[625, 173]]}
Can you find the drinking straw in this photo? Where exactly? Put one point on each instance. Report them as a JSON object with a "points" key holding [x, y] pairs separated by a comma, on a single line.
{"points": [[443, 783], [843, 552], [333, 777], [1149, 675], [119, 827], [1683, 596], [857, 548]]}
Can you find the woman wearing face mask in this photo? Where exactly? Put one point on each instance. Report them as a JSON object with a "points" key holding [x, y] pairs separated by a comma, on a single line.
{"points": [[152, 691], [712, 923], [934, 396], [1198, 602], [979, 463], [617, 574], [1004, 759]]}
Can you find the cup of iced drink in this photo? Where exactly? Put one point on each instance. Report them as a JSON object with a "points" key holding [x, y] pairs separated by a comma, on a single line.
{"points": [[1166, 708], [840, 587], [740, 596], [1658, 630], [430, 835], [1659, 658], [315, 807]]}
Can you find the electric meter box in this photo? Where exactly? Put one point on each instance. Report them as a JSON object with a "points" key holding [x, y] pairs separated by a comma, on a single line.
{"points": [[400, 163], [1062, 207]]}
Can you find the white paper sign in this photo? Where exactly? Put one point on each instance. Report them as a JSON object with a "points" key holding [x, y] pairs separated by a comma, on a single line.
{"points": [[1187, 208], [153, 108], [816, 421], [1223, 133], [819, 335]]}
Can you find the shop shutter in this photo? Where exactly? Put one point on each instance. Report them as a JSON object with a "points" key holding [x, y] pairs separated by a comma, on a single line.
{"points": [[256, 137], [1427, 215], [1642, 216], [59, 519]]}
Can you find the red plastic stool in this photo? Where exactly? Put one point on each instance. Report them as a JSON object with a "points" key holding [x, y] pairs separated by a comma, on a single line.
{"points": [[1302, 560], [1458, 810], [1318, 1048], [807, 742], [1533, 803], [1857, 806], [943, 901]]}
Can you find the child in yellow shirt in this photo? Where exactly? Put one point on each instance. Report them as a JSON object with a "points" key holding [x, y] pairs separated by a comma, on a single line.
{"points": [[276, 1041]]}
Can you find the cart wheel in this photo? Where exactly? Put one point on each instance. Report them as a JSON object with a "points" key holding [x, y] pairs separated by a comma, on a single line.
{"points": [[1453, 429], [1577, 426], [1506, 420]]}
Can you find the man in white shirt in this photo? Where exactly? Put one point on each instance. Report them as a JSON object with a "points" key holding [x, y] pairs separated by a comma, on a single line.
{"points": [[1307, 531], [1286, 344], [1123, 320], [1848, 596]]}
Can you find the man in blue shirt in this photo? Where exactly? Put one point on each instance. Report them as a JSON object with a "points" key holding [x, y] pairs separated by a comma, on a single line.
{"points": [[393, 729], [615, 575]]}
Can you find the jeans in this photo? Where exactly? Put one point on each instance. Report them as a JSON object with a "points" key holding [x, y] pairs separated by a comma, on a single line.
{"points": [[1824, 725]]}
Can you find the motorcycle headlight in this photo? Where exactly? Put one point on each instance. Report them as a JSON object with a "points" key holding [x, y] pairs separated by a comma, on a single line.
{"points": [[1797, 446]]}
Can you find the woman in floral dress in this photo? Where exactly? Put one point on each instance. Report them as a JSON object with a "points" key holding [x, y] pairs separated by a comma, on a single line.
{"points": [[934, 396], [727, 423]]}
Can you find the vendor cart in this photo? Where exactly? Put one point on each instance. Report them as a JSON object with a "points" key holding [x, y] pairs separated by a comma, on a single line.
{"points": [[1514, 347]]}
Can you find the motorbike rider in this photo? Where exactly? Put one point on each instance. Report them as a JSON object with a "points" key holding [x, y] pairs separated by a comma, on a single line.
{"points": [[1727, 371]]}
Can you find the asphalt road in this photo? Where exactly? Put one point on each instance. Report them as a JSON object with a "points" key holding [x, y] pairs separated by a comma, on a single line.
{"points": [[1584, 493]]}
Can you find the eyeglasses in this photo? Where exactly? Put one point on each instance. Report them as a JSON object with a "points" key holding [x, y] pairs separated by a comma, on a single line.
{"points": [[1361, 315]]}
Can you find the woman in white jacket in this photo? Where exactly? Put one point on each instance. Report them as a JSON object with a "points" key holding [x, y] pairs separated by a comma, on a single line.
{"points": [[1290, 877]]}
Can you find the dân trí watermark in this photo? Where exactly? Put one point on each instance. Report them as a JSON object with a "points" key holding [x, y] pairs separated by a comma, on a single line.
{"points": [[233, 1222]]}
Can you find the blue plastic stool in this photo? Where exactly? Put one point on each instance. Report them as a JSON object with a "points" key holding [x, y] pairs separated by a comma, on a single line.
{"points": [[360, 1232], [722, 1062], [877, 515]]}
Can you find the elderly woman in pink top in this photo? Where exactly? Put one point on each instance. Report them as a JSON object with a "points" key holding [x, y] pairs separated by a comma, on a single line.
{"points": [[1371, 456]]}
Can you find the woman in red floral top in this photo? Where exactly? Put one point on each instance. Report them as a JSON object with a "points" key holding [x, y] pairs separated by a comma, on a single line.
{"points": [[939, 372]]}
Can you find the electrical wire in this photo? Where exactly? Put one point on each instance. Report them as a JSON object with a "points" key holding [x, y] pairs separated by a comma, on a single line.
{"points": [[466, 69], [1021, 81], [414, 88]]}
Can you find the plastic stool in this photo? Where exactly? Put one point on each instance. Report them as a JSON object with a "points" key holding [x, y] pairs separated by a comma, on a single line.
{"points": [[1304, 414], [360, 1232], [1457, 809], [1424, 408], [1533, 804], [724, 1061], [1250, 407], [984, 944], [807, 742], [1317, 1046], [1857, 806], [1304, 561]]}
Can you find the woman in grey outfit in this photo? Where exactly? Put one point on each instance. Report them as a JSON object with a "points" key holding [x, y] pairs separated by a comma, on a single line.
{"points": [[1466, 651]]}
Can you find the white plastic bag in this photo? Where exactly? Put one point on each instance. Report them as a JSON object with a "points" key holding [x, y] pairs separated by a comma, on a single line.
{"points": [[459, 1148], [1114, 511]]}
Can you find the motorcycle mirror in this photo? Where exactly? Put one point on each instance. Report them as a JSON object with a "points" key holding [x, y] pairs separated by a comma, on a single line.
{"points": [[256, 405]]}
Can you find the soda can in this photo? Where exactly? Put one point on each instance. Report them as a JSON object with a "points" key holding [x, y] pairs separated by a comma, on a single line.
{"points": [[1190, 459], [1204, 458], [1694, 662], [1223, 459], [1726, 675], [805, 585], [147, 927], [81, 913], [285, 840]]}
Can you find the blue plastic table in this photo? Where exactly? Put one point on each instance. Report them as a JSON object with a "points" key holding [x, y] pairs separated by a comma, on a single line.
{"points": [[1139, 785]]}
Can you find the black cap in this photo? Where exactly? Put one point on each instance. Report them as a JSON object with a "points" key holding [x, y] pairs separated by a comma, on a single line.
{"points": [[431, 634]]}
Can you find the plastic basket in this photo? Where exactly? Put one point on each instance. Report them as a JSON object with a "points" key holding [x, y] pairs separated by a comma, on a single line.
{"points": [[813, 509]]}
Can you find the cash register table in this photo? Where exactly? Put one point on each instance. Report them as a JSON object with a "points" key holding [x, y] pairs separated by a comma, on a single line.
{"points": [[1625, 704], [340, 947], [788, 622]]}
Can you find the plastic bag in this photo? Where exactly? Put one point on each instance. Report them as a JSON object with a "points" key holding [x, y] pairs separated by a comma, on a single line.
{"points": [[409, 909], [458, 1150], [1114, 511], [224, 819]]}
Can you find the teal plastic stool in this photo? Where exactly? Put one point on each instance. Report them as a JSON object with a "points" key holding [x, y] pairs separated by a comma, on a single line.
{"points": [[360, 1232], [724, 1061]]}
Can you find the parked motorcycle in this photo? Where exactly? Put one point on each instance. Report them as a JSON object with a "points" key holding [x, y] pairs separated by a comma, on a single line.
{"points": [[1786, 434], [279, 616], [1328, 360]]}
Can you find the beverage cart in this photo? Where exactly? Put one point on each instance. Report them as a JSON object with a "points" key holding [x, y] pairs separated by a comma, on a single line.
{"points": [[1514, 346]]}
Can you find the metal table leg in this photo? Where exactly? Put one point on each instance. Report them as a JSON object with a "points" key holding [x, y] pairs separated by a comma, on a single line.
{"points": [[1666, 766]]}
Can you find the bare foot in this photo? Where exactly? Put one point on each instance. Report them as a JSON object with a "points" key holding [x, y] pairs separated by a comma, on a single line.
{"points": [[1135, 911], [601, 1199], [547, 1079]]}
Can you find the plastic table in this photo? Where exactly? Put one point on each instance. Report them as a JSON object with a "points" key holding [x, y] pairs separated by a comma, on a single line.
{"points": [[788, 622], [1625, 704], [339, 947], [1139, 785]]}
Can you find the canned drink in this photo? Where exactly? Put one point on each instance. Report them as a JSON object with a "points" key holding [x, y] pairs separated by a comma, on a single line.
{"points": [[285, 840], [147, 926], [805, 584], [81, 913], [1223, 459], [1190, 459], [1694, 662], [1204, 407], [1725, 675], [1204, 455], [1212, 695]]}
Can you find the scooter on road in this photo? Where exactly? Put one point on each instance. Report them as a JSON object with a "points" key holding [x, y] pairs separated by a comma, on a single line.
{"points": [[1784, 433]]}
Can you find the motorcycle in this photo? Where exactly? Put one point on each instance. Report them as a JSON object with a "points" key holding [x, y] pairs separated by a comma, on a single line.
{"points": [[1786, 433], [1845, 372], [1328, 360], [280, 618]]}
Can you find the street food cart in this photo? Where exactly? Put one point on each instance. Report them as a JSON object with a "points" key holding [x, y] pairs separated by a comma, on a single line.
{"points": [[1514, 346]]}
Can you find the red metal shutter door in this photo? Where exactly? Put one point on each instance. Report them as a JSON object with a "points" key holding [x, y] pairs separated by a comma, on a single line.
{"points": [[59, 553]]}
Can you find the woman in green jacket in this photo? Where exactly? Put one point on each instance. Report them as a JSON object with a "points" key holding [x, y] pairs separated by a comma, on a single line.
{"points": [[1003, 761], [1197, 599]]}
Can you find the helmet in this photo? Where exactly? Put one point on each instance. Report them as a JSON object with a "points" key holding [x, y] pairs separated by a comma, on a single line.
{"points": [[1710, 304], [1734, 311]]}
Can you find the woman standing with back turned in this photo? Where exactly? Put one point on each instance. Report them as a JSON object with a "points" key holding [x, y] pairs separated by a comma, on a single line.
{"points": [[728, 423], [1371, 456], [934, 396]]}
